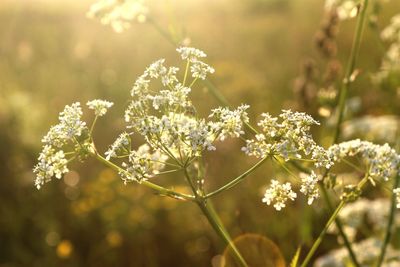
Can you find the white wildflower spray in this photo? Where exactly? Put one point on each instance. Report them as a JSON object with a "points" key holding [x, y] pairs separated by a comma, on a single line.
{"points": [[118, 14], [52, 161], [278, 194], [100, 107], [309, 186]]}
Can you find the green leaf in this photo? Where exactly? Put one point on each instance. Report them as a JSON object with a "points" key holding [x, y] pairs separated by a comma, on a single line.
{"points": [[296, 257]]}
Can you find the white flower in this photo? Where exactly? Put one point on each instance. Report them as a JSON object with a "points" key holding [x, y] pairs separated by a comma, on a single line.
{"points": [[121, 145], [289, 137], [172, 99], [118, 13], [191, 54], [396, 191], [51, 163], [382, 160], [100, 107], [229, 123], [278, 194], [70, 126], [346, 9], [156, 69], [143, 164], [200, 70], [309, 186], [141, 85]]}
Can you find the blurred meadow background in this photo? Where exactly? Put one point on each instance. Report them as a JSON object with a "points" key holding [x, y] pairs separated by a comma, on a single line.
{"points": [[52, 55]]}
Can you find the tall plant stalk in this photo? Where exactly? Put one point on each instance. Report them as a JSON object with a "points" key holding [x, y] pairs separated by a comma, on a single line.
{"points": [[348, 77]]}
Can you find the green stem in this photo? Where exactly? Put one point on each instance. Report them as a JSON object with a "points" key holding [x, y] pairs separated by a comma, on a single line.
{"points": [[186, 72], [237, 179], [213, 219], [216, 93], [192, 83], [339, 225], [389, 229], [350, 69], [161, 190], [93, 124], [322, 234], [218, 227], [332, 219], [163, 32], [330, 207]]}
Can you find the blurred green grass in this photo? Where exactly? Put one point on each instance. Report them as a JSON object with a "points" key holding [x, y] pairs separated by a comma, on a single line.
{"points": [[52, 55]]}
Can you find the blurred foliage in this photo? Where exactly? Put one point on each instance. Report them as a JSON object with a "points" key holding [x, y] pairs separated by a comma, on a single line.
{"points": [[52, 55]]}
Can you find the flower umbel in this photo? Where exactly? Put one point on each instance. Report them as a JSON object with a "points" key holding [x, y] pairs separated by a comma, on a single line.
{"points": [[309, 186], [51, 163], [120, 147], [118, 14], [100, 107], [278, 194]]}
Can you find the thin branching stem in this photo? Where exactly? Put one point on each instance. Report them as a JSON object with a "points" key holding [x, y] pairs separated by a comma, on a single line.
{"points": [[186, 72], [93, 124], [332, 219], [389, 227], [214, 220], [159, 189], [237, 179]]}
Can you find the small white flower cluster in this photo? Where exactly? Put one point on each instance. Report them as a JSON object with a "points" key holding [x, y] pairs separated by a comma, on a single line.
{"points": [[278, 194], [100, 107], [309, 186], [229, 122], [120, 147], [143, 164], [345, 9], [396, 191], [290, 139], [198, 68], [52, 162], [118, 14], [70, 126], [381, 160], [167, 118]]}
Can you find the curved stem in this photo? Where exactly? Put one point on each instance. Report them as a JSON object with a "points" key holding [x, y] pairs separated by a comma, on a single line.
{"points": [[322, 234], [389, 229], [217, 225], [339, 226], [350, 69], [161, 190], [214, 220], [237, 179], [93, 124], [333, 217]]}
